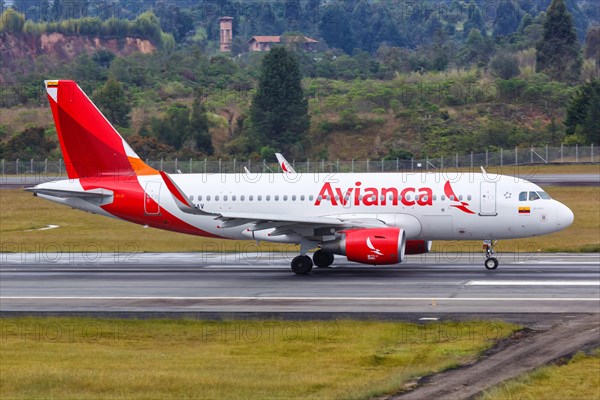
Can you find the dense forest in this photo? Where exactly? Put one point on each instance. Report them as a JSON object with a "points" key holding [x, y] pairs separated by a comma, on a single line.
{"points": [[386, 79]]}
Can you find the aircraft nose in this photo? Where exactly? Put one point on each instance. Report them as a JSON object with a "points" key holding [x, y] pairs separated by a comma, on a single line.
{"points": [[564, 216]]}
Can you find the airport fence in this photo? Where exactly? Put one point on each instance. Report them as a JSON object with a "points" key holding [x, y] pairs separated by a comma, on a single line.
{"points": [[513, 157]]}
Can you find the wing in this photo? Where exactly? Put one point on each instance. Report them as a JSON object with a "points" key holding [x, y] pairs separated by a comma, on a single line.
{"points": [[314, 226]]}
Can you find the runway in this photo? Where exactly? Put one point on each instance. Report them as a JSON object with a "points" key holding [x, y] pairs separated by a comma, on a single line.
{"points": [[424, 286]]}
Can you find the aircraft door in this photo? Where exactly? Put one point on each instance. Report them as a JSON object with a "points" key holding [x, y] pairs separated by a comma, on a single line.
{"points": [[487, 201], [152, 198]]}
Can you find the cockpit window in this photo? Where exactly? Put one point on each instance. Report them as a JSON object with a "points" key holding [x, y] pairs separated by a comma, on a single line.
{"points": [[533, 196], [544, 195], [523, 196]]}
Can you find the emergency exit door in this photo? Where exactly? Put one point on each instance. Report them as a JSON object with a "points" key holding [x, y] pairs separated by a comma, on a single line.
{"points": [[152, 198], [487, 203]]}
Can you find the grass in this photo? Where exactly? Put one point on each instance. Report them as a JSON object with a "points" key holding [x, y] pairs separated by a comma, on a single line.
{"points": [[578, 379], [147, 359]]}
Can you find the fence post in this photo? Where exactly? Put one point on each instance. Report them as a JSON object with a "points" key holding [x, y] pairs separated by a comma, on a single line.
{"points": [[191, 165], [561, 152], [235, 166], [322, 165], [382, 165], [46, 167], [531, 155], [161, 164], [456, 160], [59, 166], [441, 162], [516, 155], [501, 157], [427, 163], [353, 165], [546, 154], [592, 151], [308, 165], [398, 164], [576, 152], [17, 166], [219, 166], [471, 160], [176, 165], [3, 167], [412, 163], [205, 162], [31, 165], [486, 157], [367, 165]]}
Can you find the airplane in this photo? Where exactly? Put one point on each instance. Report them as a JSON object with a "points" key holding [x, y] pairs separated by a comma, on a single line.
{"points": [[371, 218]]}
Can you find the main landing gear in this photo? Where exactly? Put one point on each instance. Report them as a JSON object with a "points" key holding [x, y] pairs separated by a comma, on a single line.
{"points": [[302, 264], [490, 261]]}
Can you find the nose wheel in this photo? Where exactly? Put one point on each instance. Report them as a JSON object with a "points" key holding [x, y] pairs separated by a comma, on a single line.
{"points": [[491, 262]]}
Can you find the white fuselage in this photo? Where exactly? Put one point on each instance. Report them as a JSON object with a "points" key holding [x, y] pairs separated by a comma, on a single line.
{"points": [[480, 206]]}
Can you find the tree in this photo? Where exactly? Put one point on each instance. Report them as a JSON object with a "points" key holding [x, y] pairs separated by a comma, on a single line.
{"points": [[30, 143], [335, 29], [558, 51], [196, 133], [279, 111], [474, 20], [113, 102], [583, 113], [507, 19], [11, 21], [505, 65]]}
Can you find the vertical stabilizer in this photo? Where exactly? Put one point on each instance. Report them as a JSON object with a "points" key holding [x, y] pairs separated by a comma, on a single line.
{"points": [[91, 146]]}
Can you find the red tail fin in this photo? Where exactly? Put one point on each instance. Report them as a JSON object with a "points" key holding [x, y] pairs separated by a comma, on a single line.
{"points": [[91, 146]]}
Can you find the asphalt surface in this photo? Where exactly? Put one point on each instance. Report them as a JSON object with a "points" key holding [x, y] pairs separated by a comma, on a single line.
{"points": [[428, 285], [18, 182]]}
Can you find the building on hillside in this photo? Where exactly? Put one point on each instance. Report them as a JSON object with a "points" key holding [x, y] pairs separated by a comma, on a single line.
{"points": [[226, 28], [265, 43]]}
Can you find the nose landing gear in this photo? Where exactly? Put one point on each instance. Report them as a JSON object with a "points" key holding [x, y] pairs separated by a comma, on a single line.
{"points": [[491, 262]]}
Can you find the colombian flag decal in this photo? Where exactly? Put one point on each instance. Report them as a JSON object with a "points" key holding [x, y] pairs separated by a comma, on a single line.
{"points": [[524, 210]]}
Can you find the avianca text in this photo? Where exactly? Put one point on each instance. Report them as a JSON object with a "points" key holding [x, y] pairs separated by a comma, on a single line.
{"points": [[371, 196]]}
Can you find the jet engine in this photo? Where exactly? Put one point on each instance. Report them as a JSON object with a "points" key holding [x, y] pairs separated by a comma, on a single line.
{"points": [[418, 246], [375, 246]]}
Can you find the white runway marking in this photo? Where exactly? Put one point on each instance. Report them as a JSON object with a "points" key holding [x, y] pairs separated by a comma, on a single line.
{"points": [[258, 298], [533, 283], [46, 228]]}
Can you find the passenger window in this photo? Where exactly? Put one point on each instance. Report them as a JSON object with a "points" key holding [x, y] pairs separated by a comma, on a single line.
{"points": [[276, 197], [216, 198], [199, 198], [460, 197], [268, 197], [208, 198], [259, 198], [242, 198], [251, 198], [302, 197], [469, 198], [311, 197], [523, 196], [233, 198], [443, 197], [285, 198], [225, 198], [191, 198], [294, 198], [533, 196]]}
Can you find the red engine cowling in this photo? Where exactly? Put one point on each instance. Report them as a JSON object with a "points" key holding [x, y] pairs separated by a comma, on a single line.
{"points": [[418, 246], [376, 246]]}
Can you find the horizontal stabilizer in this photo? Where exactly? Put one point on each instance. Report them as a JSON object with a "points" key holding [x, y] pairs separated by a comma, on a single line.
{"points": [[86, 194], [181, 200]]}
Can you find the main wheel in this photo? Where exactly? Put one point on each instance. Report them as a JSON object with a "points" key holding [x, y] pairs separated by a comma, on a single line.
{"points": [[302, 265], [491, 263], [322, 259]]}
